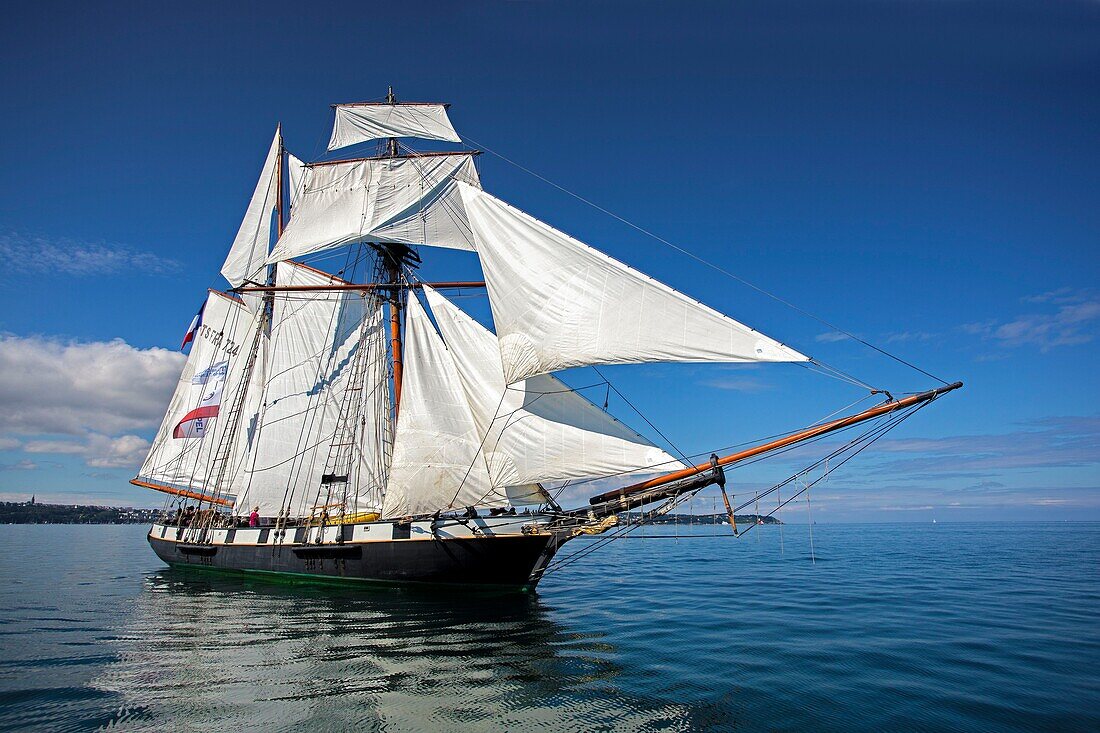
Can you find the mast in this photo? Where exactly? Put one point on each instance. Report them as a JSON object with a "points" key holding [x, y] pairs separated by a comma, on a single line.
{"points": [[391, 144], [394, 259], [393, 273], [279, 167]]}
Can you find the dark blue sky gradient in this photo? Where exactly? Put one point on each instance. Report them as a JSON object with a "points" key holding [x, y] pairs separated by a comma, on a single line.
{"points": [[920, 173]]}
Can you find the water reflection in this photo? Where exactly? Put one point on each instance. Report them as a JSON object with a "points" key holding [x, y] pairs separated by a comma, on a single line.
{"points": [[201, 648]]}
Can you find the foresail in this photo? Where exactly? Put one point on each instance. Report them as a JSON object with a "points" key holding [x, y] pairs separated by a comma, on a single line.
{"points": [[436, 450], [537, 430], [315, 337], [558, 303], [356, 123], [247, 257], [182, 455], [409, 200]]}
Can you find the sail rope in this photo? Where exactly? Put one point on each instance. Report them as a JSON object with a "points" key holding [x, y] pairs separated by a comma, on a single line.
{"points": [[705, 262], [695, 457], [852, 448]]}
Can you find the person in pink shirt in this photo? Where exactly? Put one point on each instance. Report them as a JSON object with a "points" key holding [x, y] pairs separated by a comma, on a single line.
{"points": [[254, 518]]}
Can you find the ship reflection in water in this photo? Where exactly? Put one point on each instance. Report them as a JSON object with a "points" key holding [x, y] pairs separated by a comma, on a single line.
{"points": [[274, 656]]}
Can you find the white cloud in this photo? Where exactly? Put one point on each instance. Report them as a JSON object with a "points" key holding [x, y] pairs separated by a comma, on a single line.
{"points": [[121, 452], [34, 253], [24, 465], [96, 393], [830, 336], [99, 451], [738, 384], [1073, 322], [71, 388], [906, 336]]}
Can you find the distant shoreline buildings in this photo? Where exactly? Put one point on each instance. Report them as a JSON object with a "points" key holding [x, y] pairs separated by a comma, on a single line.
{"points": [[33, 512]]}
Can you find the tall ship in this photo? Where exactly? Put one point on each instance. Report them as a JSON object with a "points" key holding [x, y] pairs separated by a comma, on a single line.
{"points": [[345, 420]]}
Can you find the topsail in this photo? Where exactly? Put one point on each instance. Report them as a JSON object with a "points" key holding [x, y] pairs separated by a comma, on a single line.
{"points": [[356, 123], [247, 258], [409, 200]]}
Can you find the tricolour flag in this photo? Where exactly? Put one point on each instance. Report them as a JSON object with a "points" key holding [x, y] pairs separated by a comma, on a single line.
{"points": [[193, 329]]}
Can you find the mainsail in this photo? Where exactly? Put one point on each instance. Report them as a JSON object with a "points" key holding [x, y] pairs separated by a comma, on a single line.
{"points": [[408, 200], [356, 123], [558, 303], [182, 457], [315, 339]]}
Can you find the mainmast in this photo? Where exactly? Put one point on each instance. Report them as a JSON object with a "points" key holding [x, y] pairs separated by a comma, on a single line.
{"points": [[394, 259]]}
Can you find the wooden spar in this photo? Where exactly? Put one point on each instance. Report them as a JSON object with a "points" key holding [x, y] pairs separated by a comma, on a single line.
{"points": [[395, 347], [353, 286], [399, 156], [181, 492], [798, 437], [394, 268]]}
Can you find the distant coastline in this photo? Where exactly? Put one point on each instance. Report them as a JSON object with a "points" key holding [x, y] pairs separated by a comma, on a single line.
{"points": [[703, 518], [32, 512]]}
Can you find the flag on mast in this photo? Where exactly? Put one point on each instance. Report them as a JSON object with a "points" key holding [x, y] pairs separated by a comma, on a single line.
{"points": [[193, 329]]}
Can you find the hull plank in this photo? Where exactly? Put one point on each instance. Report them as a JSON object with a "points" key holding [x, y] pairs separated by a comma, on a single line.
{"points": [[495, 561]]}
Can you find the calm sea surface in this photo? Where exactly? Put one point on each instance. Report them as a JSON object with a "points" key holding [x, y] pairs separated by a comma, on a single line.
{"points": [[895, 627]]}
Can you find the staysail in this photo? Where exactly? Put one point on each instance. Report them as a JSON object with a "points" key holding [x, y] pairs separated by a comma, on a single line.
{"points": [[558, 303], [183, 452], [538, 429], [437, 462], [315, 337], [247, 257], [356, 123], [408, 200]]}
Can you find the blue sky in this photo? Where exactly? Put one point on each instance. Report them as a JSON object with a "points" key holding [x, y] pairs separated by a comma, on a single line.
{"points": [[923, 174]]}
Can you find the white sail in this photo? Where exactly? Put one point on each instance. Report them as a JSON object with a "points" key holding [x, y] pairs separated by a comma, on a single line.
{"points": [[248, 256], [408, 200], [536, 430], [436, 449], [558, 303], [182, 455], [356, 123], [295, 171], [314, 339]]}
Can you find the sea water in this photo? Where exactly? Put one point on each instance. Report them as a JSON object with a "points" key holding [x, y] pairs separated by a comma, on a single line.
{"points": [[881, 627]]}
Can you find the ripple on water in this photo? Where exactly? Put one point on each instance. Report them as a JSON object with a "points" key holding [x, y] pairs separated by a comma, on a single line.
{"points": [[893, 627]]}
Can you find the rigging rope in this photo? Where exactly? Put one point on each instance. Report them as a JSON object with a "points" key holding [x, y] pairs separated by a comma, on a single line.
{"points": [[709, 264]]}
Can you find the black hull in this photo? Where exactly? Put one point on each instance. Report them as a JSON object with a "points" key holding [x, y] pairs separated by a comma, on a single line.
{"points": [[512, 562]]}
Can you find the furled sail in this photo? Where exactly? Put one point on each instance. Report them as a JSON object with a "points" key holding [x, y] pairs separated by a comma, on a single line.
{"points": [[182, 457], [248, 256], [536, 430], [558, 303], [356, 123], [408, 200], [436, 449], [314, 341]]}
